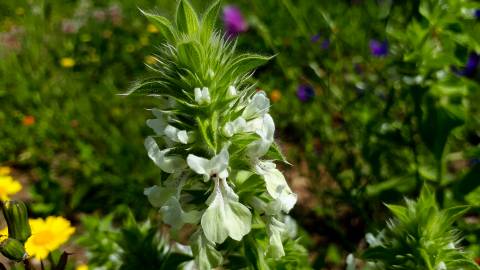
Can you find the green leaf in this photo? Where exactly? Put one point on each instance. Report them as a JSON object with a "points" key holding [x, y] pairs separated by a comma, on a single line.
{"points": [[189, 54], [246, 63], [274, 153], [468, 183], [162, 23], [399, 211], [186, 19], [437, 124], [209, 19]]}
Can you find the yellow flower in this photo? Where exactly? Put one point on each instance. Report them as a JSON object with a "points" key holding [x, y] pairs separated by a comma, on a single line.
{"points": [[152, 28], [3, 234], [67, 62], [8, 186], [47, 235], [82, 267], [150, 59], [4, 170]]}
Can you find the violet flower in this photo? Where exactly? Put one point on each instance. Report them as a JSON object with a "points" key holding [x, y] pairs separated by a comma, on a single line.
{"points": [[476, 13], [325, 44], [315, 38], [234, 21], [305, 92], [470, 68], [378, 49]]}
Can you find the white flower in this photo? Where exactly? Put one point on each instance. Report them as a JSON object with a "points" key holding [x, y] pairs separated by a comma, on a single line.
{"points": [[231, 91], [168, 164], [275, 230], [176, 134], [265, 128], [350, 262], [257, 107], [213, 168], [174, 215], [225, 216], [277, 187], [159, 123], [441, 266], [236, 126], [202, 96]]}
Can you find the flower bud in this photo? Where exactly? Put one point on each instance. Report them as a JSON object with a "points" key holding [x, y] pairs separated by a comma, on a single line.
{"points": [[13, 249], [15, 213]]}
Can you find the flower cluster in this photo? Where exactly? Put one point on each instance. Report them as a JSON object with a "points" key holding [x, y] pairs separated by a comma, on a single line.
{"points": [[213, 140]]}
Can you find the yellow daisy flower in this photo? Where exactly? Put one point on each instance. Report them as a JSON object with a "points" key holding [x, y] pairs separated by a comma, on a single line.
{"points": [[67, 62], [82, 267], [8, 186], [3, 234], [4, 170], [47, 235]]}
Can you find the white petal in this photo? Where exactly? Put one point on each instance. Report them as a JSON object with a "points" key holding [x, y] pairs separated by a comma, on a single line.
{"points": [[174, 215], [206, 257], [168, 164], [157, 196], [176, 135], [202, 96], [277, 186], [236, 126], [199, 165], [219, 164], [275, 230], [258, 106], [232, 91], [158, 125], [225, 216]]}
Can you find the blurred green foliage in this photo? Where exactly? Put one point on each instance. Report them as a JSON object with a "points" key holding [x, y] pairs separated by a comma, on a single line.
{"points": [[376, 129]]}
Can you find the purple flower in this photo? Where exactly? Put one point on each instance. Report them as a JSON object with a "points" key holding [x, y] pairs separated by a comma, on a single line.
{"points": [[378, 48], [234, 21], [476, 13], [325, 44], [470, 67], [315, 38], [305, 92]]}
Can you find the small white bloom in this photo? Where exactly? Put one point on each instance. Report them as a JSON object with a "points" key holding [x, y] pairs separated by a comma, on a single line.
{"points": [[225, 215], [257, 107], [275, 231], [277, 187], [215, 167], [441, 266], [265, 128], [236, 126], [168, 164], [159, 123], [232, 91], [176, 134], [202, 96], [350, 262]]}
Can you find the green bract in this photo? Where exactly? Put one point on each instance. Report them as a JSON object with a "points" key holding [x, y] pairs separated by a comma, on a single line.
{"points": [[419, 237], [214, 142]]}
